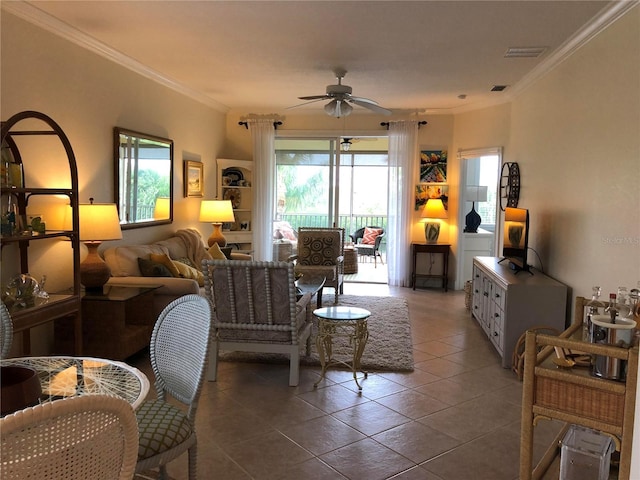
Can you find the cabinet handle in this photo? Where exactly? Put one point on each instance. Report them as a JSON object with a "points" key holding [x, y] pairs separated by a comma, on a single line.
{"points": [[495, 334], [486, 294], [496, 315], [497, 295]]}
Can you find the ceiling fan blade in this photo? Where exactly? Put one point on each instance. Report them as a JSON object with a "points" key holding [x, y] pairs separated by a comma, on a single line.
{"points": [[363, 100], [371, 105], [306, 103], [314, 97]]}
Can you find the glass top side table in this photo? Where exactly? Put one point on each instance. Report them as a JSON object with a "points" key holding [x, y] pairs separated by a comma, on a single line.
{"points": [[341, 321]]}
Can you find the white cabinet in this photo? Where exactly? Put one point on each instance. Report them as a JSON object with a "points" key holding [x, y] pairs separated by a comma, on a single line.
{"points": [[235, 183], [506, 303]]}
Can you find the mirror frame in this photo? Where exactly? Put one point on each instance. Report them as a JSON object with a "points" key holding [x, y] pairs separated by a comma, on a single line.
{"points": [[118, 132]]}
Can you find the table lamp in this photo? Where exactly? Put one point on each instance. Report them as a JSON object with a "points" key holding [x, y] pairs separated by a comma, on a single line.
{"points": [[162, 208], [474, 193], [216, 212], [99, 222], [433, 210]]}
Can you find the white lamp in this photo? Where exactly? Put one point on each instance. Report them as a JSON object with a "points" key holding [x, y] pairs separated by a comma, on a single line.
{"points": [[216, 212], [474, 193], [99, 222], [433, 210], [162, 208]]}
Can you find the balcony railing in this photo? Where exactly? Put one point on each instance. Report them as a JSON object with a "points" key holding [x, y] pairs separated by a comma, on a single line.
{"points": [[350, 223]]}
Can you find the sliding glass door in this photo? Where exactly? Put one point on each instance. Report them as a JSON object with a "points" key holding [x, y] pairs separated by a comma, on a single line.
{"points": [[319, 185]]}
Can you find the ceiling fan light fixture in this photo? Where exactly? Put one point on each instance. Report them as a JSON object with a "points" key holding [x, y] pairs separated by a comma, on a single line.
{"points": [[338, 108]]}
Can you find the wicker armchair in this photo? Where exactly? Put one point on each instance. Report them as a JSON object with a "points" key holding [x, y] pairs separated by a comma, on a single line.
{"points": [[368, 250], [77, 438], [179, 349], [257, 310], [6, 332], [321, 254]]}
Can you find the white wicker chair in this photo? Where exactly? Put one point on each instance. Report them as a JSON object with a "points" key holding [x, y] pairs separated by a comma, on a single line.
{"points": [[179, 349], [6, 332], [78, 438]]}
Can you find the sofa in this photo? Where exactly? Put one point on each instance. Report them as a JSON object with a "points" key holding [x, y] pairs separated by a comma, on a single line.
{"points": [[181, 256]]}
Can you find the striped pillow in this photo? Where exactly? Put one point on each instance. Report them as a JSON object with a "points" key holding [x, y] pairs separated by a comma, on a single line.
{"points": [[370, 235]]}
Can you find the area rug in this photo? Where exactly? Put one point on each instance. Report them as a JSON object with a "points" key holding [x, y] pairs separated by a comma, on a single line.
{"points": [[389, 346]]}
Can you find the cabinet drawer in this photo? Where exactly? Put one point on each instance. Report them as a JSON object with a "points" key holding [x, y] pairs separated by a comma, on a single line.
{"points": [[499, 296]]}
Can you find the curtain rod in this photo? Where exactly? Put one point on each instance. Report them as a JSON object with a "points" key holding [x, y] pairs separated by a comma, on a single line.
{"points": [[386, 124], [246, 124]]}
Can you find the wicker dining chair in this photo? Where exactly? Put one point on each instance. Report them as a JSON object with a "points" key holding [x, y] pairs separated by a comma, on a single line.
{"points": [[6, 332], [77, 438], [179, 350]]}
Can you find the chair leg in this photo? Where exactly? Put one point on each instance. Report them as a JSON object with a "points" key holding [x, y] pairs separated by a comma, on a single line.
{"points": [[212, 372], [294, 367], [193, 461], [163, 473]]}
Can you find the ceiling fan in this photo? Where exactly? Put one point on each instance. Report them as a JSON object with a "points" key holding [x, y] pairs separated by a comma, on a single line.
{"points": [[341, 98]]}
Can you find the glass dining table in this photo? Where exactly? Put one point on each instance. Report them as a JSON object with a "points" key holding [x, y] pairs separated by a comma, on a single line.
{"points": [[66, 376]]}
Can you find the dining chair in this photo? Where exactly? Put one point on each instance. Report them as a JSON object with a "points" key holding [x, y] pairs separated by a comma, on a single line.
{"points": [[179, 350], [6, 332], [76, 438]]}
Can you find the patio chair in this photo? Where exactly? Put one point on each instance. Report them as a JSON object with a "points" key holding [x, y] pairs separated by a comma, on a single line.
{"points": [[256, 309], [179, 349], [321, 254], [77, 438], [6, 332], [369, 249]]}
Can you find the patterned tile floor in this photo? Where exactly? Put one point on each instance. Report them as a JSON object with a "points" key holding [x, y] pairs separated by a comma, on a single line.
{"points": [[457, 416]]}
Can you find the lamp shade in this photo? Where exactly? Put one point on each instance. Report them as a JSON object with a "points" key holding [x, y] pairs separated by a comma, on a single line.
{"points": [[515, 214], [162, 208], [434, 208], [216, 211], [99, 222], [476, 193]]}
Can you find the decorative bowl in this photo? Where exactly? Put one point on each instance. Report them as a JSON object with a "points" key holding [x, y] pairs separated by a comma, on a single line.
{"points": [[20, 388]]}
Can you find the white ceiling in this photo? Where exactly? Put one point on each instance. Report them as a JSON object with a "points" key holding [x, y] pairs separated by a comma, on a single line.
{"points": [[260, 56]]}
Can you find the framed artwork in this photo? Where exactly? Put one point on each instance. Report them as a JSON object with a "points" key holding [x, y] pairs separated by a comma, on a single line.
{"points": [[433, 166], [426, 191], [193, 179]]}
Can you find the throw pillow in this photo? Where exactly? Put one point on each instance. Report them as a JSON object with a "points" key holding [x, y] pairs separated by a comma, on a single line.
{"points": [[149, 268], [166, 261], [370, 235], [189, 272], [186, 261], [216, 253]]}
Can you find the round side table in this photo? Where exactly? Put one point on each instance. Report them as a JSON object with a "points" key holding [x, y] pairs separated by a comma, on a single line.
{"points": [[341, 321]]}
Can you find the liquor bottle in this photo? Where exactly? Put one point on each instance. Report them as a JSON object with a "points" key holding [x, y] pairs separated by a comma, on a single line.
{"points": [[612, 308], [592, 309]]}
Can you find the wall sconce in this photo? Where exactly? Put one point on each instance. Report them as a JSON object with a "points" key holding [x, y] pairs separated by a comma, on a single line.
{"points": [[474, 193], [216, 212], [433, 210], [99, 222]]}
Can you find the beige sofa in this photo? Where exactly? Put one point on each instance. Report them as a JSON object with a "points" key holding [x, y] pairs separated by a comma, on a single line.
{"points": [[186, 245]]}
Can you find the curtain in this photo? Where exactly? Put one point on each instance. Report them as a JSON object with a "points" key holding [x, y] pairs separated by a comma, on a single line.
{"points": [[403, 149], [264, 168]]}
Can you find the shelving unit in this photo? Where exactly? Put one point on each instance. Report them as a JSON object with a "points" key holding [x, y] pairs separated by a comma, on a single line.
{"points": [[58, 305], [573, 396], [238, 189]]}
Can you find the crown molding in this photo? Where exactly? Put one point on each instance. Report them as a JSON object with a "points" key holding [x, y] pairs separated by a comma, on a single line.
{"points": [[45, 21]]}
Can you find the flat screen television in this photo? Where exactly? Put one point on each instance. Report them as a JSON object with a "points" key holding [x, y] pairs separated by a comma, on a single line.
{"points": [[516, 238]]}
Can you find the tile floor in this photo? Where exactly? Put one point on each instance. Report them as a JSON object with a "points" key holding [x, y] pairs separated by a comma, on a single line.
{"points": [[455, 417]]}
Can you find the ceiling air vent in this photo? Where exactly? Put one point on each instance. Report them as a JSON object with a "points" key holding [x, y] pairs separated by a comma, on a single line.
{"points": [[498, 88], [524, 52]]}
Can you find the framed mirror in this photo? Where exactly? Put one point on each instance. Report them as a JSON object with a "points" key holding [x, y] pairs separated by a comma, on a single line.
{"points": [[143, 178]]}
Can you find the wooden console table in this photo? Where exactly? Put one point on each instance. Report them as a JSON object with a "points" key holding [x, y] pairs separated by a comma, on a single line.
{"points": [[442, 248], [574, 396]]}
